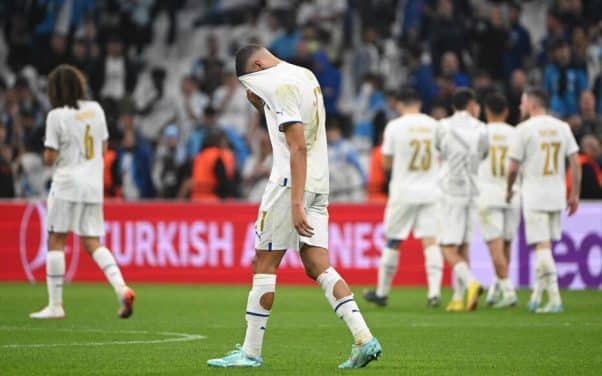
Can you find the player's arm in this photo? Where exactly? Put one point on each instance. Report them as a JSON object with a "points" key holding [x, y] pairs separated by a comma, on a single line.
{"points": [[50, 156], [387, 148], [295, 140], [575, 169], [387, 162], [511, 175], [255, 101]]}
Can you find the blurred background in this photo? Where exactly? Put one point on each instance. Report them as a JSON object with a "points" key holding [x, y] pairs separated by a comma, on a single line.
{"points": [[179, 122]]}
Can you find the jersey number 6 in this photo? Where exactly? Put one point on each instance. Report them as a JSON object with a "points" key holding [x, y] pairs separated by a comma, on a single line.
{"points": [[88, 144]]}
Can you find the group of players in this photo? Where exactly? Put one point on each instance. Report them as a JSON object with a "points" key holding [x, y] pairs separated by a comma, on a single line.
{"points": [[446, 174], [434, 188]]}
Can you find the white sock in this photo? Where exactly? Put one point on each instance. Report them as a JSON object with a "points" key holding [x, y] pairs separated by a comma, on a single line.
{"points": [[493, 287], [507, 287], [464, 274], [545, 261], [55, 276], [433, 260], [457, 287], [257, 316], [346, 307], [389, 260], [106, 262]]}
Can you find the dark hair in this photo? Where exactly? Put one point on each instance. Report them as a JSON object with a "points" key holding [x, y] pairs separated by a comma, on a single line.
{"points": [[66, 85], [496, 103], [462, 97], [242, 57], [539, 95], [210, 111], [408, 95]]}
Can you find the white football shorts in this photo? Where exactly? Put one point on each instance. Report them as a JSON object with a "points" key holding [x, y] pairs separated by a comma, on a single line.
{"points": [[400, 219], [274, 230], [499, 223], [456, 223], [81, 218], [542, 226]]}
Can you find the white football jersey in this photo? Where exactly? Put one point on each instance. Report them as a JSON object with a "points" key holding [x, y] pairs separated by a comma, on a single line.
{"points": [[292, 94], [492, 172], [78, 136], [463, 144], [541, 145], [410, 140]]}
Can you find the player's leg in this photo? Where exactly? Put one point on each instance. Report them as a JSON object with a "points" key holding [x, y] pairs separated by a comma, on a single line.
{"points": [[545, 261], [257, 312], [491, 224], [389, 261], [105, 261], [511, 222], [55, 276], [398, 222], [317, 266], [425, 228], [538, 236], [474, 288]]}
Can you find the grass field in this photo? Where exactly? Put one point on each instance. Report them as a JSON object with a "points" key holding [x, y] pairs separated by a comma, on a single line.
{"points": [[175, 329]]}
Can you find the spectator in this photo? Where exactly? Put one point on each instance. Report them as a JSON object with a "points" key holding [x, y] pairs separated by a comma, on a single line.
{"points": [[168, 167], [191, 105], [214, 170], [518, 47], [330, 82], [421, 77], [113, 76], [590, 158], [377, 185], [285, 43], [366, 56], [55, 54], [7, 184], [231, 104], [555, 31], [369, 101], [137, 22], [208, 69], [79, 56], [347, 177], [587, 121], [132, 168], [257, 168], [156, 109], [597, 89], [450, 70], [518, 84], [446, 32], [491, 38], [563, 82]]}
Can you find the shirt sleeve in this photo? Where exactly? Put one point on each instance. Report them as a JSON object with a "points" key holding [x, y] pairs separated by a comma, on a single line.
{"points": [[387, 148], [287, 105], [105, 128], [483, 142], [517, 148], [52, 136], [571, 143]]}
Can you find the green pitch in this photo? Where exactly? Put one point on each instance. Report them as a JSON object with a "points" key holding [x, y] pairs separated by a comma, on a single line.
{"points": [[175, 329]]}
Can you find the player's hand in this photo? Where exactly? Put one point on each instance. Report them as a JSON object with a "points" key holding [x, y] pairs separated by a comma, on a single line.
{"points": [[300, 222], [573, 204], [255, 100], [509, 196]]}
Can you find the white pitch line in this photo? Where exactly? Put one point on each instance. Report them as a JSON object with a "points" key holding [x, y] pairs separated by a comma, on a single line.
{"points": [[179, 337]]}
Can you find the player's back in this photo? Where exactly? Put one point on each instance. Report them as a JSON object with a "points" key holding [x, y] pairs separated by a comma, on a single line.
{"points": [[410, 140], [463, 144], [492, 171], [78, 136], [292, 94], [541, 144]]}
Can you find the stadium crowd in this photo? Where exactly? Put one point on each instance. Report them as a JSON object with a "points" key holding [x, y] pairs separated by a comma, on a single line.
{"points": [[179, 121]]}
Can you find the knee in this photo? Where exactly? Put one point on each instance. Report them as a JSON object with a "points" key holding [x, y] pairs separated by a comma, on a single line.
{"points": [[56, 242]]}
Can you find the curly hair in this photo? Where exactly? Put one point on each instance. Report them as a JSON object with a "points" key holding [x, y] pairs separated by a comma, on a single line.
{"points": [[66, 85]]}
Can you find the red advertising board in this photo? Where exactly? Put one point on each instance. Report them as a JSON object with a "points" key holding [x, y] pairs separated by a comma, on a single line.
{"points": [[196, 243]]}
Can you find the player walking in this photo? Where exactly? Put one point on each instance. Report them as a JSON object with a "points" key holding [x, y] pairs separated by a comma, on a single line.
{"points": [[463, 144], [409, 152], [541, 146], [498, 220], [76, 137], [293, 211]]}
